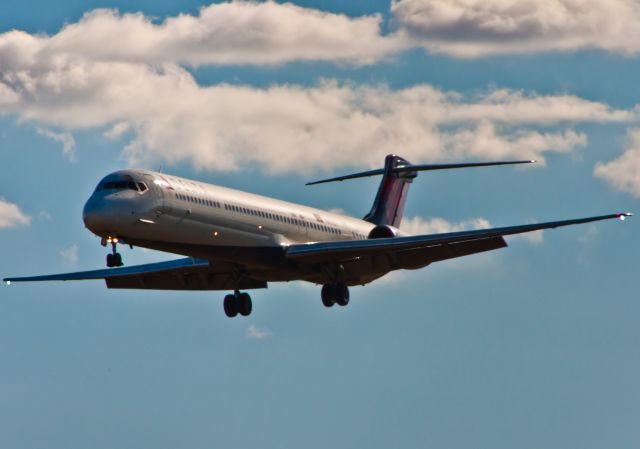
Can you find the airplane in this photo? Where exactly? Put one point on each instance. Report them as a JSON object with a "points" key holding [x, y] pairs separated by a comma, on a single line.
{"points": [[238, 241]]}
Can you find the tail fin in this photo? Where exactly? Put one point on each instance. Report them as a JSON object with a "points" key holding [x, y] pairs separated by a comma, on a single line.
{"points": [[388, 206]]}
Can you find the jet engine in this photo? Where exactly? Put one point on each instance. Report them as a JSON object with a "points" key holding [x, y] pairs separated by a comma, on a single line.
{"points": [[383, 231]]}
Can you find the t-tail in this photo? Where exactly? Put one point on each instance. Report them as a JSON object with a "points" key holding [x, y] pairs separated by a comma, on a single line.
{"points": [[388, 206], [397, 175]]}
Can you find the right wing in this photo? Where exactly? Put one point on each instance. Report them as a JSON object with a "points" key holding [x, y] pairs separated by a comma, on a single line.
{"points": [[180, 274], [343, 250]]}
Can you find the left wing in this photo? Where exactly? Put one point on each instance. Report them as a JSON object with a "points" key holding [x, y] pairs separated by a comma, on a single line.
{"points": [[352, 249], [180, 274]]}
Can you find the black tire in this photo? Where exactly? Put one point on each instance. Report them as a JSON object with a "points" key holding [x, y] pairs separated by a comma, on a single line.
{"points": [[328, 295], [117, 260], [110, 261], [229, 304], [244, 304], [342, 297]]}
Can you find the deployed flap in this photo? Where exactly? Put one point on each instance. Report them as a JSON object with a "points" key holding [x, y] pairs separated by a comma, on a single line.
{"points": [[350, 249], [180, 274]]}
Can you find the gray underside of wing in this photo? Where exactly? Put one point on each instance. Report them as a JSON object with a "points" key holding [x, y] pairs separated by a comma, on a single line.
{"points": [[180, 274]]}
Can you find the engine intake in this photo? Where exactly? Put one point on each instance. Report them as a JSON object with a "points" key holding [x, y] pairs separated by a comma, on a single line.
{"points": [[382, 232]]}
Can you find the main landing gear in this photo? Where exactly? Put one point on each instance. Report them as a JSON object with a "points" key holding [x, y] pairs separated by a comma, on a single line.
{"points": [[114, 259], [237, 303], [335, 293]]}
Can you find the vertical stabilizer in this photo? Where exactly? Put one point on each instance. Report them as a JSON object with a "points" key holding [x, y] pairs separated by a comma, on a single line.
{"points": [[388, 206]]}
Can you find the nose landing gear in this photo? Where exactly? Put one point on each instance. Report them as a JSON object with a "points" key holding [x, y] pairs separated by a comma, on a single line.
{"points": [[114, 259]]}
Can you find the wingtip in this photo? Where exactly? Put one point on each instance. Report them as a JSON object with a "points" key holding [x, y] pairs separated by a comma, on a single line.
{"points": [[623, 215]]}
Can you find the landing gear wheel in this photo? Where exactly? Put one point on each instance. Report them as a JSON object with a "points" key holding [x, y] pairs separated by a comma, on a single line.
{"points": [[328, 295], [244, 304], [230, 308], [114, 259], [337, 293], [342, 297]]}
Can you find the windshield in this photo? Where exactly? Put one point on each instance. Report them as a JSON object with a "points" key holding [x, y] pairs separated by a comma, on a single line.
{"points": [[122, 185]]}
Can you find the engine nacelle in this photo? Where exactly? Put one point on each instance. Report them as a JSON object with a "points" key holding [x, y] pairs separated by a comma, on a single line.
{"points": [[383, 231]]}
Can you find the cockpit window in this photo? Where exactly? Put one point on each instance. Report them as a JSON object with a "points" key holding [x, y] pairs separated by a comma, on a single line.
{"points": [[122, 185]]}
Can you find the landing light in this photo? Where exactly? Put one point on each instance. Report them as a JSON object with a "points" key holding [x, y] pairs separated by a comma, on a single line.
{"points": [[215, 233], [8, 282]]}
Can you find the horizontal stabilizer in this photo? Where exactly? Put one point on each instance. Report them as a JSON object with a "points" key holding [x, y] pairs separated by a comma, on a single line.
{"points": [[415, 168]]}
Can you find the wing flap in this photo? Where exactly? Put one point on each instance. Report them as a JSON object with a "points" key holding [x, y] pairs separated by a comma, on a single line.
{"points": [[415, 258], [184, 281], [352, 249]]}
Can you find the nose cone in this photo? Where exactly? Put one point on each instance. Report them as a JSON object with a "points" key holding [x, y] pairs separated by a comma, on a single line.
{"points": [[97, 216]]}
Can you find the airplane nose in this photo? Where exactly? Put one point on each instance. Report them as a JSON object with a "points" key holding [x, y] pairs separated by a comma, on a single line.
{"points": [[96, 216]]}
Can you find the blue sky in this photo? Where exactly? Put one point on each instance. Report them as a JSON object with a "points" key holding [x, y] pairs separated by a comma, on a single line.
{"points": [[531, 346]]}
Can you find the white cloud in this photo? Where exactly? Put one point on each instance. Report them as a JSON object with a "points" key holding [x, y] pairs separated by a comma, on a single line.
{"points": [[65, 138], [418, 225], [256, 333], [44, 215], [476, 28], [138, 92], [117, 130], [268, 33], [535, 237], [239, 32], [623, 173], [329, 125], [70, 254], [11, 216]]}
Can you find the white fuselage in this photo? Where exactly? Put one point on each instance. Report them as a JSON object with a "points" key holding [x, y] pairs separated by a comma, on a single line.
{"points": [[153, 209]]}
